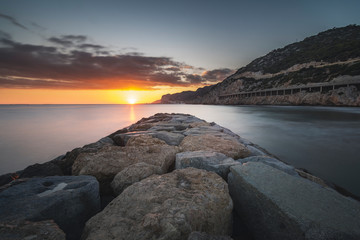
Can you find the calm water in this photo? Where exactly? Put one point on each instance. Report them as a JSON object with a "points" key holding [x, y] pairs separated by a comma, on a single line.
{"points": [[324, 140]]}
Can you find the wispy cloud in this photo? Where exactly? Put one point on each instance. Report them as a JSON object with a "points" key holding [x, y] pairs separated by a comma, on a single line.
{"points": [[13, 21]]}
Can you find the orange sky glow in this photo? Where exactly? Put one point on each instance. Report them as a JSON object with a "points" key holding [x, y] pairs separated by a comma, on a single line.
{"points": [[50, 96]]}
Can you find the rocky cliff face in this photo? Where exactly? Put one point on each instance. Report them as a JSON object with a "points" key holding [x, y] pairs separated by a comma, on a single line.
{"points": [[331, 57]]}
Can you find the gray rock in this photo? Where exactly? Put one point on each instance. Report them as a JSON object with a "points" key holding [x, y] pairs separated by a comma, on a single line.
{"points": [[169, 137], [41, 170], [69, 200], [26, 230], [276, 205], [210, 161], [271, 162], [206, 236], [255, 151], [168, 206]]}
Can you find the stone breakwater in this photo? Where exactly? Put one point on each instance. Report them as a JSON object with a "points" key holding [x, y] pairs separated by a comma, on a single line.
{"points": [[172, 176]]}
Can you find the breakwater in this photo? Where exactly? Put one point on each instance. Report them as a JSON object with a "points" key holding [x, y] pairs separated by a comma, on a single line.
{"points": [[174, 176]]}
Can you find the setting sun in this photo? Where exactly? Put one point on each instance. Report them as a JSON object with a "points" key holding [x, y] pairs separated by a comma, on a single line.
{"points": [[131, 100]]}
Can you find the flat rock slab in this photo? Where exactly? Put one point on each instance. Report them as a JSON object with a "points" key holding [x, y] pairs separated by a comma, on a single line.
{"points": [[210, 161], [69, 200], [276, 205], [168, 206], [25, 230], [271, 162]]}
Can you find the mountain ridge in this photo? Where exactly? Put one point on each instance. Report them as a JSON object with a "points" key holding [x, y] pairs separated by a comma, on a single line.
{"points": [[330, 56]]}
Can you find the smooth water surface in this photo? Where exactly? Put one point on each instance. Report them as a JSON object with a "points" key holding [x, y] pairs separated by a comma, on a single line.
{"points": [[323, 140]]}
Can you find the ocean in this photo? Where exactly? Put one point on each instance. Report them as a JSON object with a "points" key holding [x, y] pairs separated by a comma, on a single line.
{"points": [[323, 140]]}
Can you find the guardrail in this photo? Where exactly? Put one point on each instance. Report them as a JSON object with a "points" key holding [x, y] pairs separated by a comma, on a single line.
{"points": [[316, 87]]}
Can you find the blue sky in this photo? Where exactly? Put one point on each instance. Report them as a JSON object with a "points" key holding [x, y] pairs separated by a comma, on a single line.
{"points": [[206, 35]]}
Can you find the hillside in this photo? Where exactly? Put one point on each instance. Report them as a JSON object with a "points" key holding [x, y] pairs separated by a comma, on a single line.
{"points": [[330, 57]]}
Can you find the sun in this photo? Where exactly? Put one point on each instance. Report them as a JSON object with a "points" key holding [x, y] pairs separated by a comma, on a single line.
{"points": [[131, 100]]}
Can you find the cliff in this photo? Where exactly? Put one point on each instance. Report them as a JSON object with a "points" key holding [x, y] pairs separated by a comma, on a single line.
{"points": [[330, 59]]}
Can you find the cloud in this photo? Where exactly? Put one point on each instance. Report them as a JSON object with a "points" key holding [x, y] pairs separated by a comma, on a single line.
{"points": [[89, 66], [72, 40], [217, 74], [13, 21]]}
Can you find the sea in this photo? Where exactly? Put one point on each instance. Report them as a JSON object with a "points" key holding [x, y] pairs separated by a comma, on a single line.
{"points": [[323, 140]]}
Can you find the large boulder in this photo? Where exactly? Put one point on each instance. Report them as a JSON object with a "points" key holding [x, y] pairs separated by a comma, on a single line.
{"points": [[207, 142], [132, 174], [168, 206], [103, 164], [271, 162], [108, 161], [276, 205], [26, 230], [210, 161], [69, 200]]}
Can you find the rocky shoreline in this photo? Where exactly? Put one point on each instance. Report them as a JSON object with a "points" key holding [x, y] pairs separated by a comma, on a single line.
{"points": [[172, 176]]}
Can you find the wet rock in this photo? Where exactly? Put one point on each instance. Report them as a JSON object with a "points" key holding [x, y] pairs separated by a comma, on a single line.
{"points": [[271, 162], [210, 161], [276, 205], [205, 236], [26, 230], [207, 142], [168, 206], [69, 200], [132, 174]]}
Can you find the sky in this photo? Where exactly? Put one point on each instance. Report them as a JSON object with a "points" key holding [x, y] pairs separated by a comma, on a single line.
{"points": [[98, 52]]}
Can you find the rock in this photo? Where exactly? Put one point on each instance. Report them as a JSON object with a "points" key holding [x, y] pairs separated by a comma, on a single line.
{"points": [[255, 151], [110, 160], [207, 142], [205, 236], [41, 170], [122, 138], [210, 161], [168, 206], [144, 140], [271, 162], [69, 200], [133, 173], [103, 164], [276, 205], [170, 138], [25, 230]]}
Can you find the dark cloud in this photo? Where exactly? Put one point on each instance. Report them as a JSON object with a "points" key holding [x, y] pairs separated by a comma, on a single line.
{"points": [[217, 74], [13, 21], [34, 66], [193, 78], [91, 46], [61, 41], [75, 38]]}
